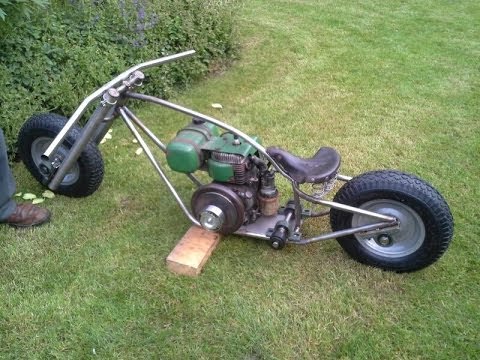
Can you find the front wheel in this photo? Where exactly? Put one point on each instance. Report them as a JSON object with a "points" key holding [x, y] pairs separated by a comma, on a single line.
{"points": [[36, 135], [425, 221]]}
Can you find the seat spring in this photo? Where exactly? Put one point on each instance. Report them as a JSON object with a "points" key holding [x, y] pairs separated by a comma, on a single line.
{"points": [[322, 189]]}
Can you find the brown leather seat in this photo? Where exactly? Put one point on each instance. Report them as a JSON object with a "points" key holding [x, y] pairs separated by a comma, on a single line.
{"points": [[321, 167]]}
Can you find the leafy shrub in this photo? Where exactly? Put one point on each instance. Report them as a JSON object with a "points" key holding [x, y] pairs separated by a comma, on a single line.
{"points": [[19, 7], [64, 52]]}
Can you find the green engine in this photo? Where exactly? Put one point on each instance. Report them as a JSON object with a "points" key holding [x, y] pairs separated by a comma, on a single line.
{"points": [[243, 188], [199, 146], [184, 152]]}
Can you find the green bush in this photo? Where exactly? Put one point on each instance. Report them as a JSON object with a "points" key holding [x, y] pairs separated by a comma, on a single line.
{"points": [[12, 8], [52, 60]]}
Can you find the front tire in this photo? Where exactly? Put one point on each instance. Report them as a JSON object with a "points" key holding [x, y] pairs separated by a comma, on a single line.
{"points": [[36, 135], [426, 223]]}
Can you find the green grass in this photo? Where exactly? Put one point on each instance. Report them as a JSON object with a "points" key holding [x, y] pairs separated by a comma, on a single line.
{"points": [[391, 85]]}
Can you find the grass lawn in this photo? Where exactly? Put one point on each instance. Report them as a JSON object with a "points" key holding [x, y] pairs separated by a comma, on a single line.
{"points": [[390, 85]]}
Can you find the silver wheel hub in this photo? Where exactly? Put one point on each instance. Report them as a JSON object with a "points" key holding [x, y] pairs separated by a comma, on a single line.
{"points": [[395, 243], [384, 240], [40, 144]]}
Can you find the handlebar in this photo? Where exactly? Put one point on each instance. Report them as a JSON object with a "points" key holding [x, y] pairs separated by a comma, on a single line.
{"points": [[99, 92]]}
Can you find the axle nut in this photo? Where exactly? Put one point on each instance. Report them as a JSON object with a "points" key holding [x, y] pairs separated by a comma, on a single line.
{"points": [[212, 218]]}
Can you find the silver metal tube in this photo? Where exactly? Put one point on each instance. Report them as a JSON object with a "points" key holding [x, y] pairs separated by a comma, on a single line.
{"points": [[209, 119], [103, 128], [337, 234], [155, 139], [344, 207], [288, 217], [97, 93], [146, 130], [319, 214], [357, 210], [110, 99], [157, 167], [298, 207], [344, 177]]}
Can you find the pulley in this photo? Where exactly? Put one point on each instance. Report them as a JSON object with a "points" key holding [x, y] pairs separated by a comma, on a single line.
{"points": [[218, 208]]}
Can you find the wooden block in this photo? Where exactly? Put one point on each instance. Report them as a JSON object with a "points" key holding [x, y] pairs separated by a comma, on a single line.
{"points": [[192, 251]]}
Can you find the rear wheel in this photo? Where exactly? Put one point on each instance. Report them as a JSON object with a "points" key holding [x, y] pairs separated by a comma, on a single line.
{"points": [[425, 222], [37, 134]]}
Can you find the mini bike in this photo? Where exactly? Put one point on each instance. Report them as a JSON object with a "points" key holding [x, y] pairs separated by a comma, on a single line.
{"points": [[386, 218]]}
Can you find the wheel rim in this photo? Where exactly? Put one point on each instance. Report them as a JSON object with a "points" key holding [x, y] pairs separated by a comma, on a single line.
{"points": [[39, 145], [396, 243]]}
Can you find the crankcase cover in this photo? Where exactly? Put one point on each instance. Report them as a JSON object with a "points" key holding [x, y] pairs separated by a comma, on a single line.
{"points": [[223, 198]]}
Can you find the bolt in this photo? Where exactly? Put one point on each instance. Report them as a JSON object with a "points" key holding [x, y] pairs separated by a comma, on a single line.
{"points": [[44, 169], [384, 240], [110, 96], [275, 244]]}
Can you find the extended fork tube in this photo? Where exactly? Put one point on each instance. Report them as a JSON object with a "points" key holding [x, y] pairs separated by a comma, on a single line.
{"points": [[109, 100], [155, 164]]}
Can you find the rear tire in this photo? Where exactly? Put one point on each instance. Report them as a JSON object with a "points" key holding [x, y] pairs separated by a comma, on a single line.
{"points": [[426, 223], [35, 136]]}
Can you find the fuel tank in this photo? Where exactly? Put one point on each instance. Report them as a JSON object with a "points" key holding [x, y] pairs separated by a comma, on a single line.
{"points": [[184, 153]]}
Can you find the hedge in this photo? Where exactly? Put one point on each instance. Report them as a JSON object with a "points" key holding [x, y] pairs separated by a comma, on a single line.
{"points": [[52, 59]]}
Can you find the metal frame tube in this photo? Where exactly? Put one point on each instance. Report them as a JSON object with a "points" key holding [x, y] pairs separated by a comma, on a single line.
{"points": [[155, 139], [156, 165], [336, 234], [146, 130], [344, 207], [318, 214], [97, 93], [104, 127], [298, 208], [344, 177], [87, 133]]}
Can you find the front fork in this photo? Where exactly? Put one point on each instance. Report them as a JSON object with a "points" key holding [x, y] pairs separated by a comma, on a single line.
{"points": [[94, 130]]}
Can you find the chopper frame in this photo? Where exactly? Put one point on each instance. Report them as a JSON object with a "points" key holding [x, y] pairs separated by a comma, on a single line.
{"points": [[116, 93]]}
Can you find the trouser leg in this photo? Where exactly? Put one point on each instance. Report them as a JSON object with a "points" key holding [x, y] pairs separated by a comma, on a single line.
{"points": [[7, 183]]}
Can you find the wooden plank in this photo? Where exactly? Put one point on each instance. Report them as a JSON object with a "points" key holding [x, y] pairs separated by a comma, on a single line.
{"points": [[192, 251]]}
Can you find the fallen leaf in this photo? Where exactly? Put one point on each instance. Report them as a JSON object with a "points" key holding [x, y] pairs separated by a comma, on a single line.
{"points": [[217, 106], [48, 194], [18, 194], [38, 200], [29, 196], [139, 151]]}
